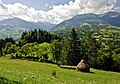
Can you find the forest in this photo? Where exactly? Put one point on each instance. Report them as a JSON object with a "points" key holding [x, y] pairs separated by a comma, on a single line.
{"points": [[99, 47]]}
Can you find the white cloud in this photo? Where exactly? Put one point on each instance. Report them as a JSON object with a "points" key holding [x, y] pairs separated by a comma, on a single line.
{"points": [[1, 2], [46, 5], [57, 13]]}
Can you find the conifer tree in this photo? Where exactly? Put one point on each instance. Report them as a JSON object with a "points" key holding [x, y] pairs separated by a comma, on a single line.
{"points": [[74, 49]]}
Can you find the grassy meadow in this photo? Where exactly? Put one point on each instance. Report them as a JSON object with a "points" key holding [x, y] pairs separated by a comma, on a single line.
{"points": [[16, 71]]}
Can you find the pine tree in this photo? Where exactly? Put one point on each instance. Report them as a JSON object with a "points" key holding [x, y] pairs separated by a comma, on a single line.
{"points": [[74, 49]]}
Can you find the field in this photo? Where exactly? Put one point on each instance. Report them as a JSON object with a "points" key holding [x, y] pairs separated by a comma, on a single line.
{"points": [[15, 71]]}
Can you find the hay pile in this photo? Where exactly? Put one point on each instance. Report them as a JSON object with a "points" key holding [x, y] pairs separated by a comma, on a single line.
{"points": [[83, 66]]}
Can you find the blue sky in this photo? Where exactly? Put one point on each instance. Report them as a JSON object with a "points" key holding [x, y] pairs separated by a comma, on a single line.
{"points": [[38, 4], [42, 4], [54, 11]]}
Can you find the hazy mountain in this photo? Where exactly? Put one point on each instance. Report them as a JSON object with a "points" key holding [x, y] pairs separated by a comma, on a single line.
{"points": [[112, 18], [14, 27], [93, 20], [45, 25]]}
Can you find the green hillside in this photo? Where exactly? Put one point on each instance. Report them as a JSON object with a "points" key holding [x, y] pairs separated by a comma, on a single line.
{"points": [[29, 72]]}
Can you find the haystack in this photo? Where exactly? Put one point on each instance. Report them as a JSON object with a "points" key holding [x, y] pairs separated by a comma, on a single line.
{"points": [[83, 66]]}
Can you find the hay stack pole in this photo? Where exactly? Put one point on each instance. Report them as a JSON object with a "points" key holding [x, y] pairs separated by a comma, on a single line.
{"points": [[83, 66]]}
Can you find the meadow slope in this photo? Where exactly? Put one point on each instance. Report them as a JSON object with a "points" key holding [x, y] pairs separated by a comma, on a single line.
{"points": [[15, 71]]}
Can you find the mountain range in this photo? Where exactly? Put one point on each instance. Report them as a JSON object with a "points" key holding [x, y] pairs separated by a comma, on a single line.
{"points": [[14, 27], [92, 20]]}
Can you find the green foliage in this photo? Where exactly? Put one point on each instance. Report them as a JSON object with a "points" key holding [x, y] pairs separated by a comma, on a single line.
{"points": [[34, 51], [44, 51], [37, 36], [4, 41], [74, 56], [100, 47], [7, 46], [57, 50]]}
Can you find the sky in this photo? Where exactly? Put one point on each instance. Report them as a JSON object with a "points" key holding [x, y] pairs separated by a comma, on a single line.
{"points": [[53, 11], [38, 4]]}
